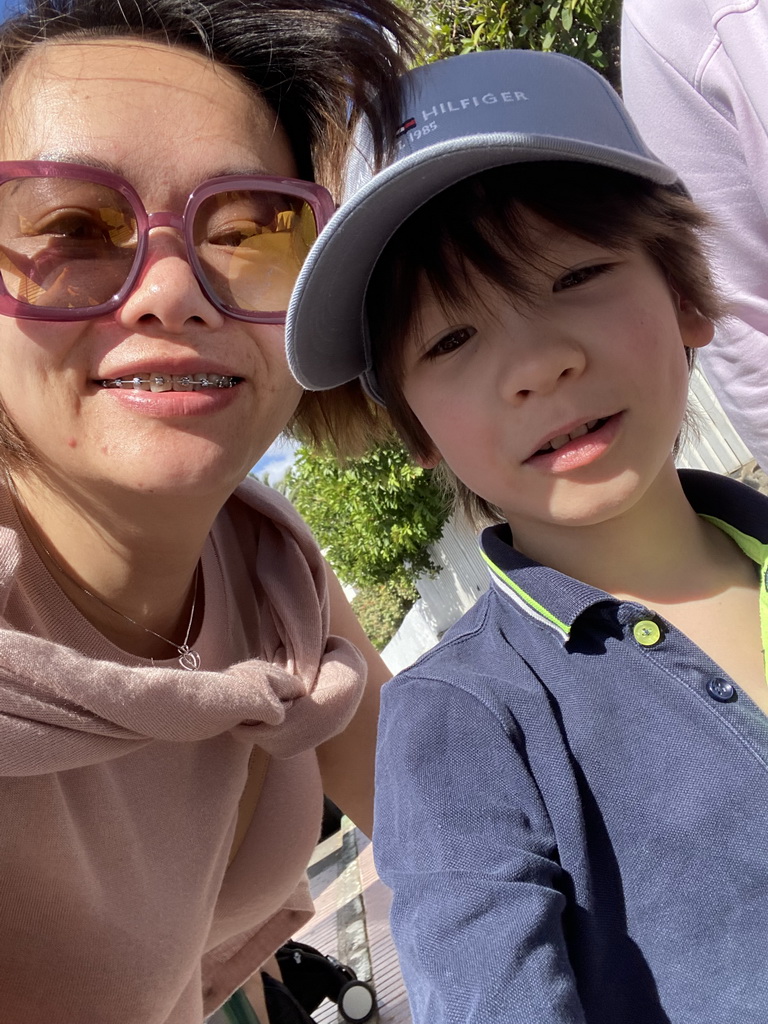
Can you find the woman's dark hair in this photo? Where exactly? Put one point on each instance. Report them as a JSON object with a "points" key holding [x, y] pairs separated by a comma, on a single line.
{"points": [[319, 64], [478, 226]]}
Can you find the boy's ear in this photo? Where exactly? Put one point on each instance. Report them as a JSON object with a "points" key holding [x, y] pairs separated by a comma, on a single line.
{"points": [[430, 461], [696, 330]]}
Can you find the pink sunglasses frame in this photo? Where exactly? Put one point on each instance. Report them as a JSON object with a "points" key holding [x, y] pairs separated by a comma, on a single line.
{"points": [[315, 196]]}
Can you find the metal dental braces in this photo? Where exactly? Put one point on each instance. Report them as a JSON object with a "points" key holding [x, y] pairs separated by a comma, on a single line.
{"points": [[186, 382]]}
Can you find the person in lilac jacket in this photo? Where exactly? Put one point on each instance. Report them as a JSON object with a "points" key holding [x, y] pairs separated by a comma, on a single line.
{"points": [[693, 77]]}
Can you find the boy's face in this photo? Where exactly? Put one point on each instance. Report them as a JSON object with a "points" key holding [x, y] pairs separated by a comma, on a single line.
{"points": [[565, 411]]}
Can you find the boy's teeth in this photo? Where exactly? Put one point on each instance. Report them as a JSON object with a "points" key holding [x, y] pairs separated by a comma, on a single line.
{"points": [[563, 439], [559, 441], [159, 382]]}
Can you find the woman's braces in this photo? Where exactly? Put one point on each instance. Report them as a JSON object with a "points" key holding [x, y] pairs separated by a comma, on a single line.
{"points": [[169, 382]]}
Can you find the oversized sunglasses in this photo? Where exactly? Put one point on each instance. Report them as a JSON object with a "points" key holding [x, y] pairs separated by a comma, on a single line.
{"points": [[74, 239]]}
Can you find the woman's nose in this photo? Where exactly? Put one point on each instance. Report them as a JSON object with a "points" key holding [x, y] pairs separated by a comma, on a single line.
{"points": [[167, 290]]}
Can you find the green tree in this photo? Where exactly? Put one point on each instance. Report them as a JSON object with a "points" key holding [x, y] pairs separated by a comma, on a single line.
{"points": [[374, 517], [380, 608], [587, 29]]}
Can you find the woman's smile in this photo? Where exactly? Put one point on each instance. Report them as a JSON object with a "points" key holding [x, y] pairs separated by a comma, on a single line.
{"points": [[176, 392], [160, 383]]}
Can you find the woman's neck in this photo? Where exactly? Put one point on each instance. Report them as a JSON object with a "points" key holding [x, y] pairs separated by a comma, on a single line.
{"points": [[129, 567]]}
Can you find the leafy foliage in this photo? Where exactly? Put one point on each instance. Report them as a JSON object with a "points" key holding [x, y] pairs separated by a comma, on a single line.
{"points": [[374, 516], [587, 29], [381, 608]]}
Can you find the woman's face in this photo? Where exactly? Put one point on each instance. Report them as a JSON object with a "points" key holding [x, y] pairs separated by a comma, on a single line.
{"points": [[165, 119]]}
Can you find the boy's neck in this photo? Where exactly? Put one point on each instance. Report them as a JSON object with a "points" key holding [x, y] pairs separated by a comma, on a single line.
{"points": [[659, 552]]}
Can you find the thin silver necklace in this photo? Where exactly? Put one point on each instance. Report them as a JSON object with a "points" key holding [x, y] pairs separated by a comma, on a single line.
{"points": [[188, 656]]}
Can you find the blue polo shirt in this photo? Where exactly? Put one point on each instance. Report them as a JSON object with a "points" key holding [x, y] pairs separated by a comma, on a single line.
{"points": [[572, 807]]}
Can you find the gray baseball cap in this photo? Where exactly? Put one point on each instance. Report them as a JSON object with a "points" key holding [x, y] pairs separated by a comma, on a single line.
{"points": [[460, 116]]}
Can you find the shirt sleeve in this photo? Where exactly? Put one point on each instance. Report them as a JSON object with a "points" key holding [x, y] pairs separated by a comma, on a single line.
{"points": [[703, 108], [464, 840]]}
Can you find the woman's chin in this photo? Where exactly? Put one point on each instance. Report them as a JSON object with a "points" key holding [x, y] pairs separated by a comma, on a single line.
{"points": [[197, 472], [186, 481]]}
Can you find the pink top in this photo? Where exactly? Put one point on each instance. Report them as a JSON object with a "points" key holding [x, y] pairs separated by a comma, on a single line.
{"points": [[120, 780], [694, 79]]}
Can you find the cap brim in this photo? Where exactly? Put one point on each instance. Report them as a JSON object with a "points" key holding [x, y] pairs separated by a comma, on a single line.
{"points": [[326, 317]]}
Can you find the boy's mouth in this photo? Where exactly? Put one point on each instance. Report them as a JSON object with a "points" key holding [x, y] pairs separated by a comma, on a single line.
{"points": [[562, 439], [159, 382]]}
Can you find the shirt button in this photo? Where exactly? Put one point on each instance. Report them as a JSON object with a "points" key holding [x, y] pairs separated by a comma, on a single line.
{"points": [[721, 690], [647, 632]]}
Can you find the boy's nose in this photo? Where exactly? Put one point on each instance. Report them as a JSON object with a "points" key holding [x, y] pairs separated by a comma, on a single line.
{"points": [[541, 365]]}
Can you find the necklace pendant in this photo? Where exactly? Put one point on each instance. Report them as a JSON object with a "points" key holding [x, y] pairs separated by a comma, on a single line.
{"points": [[189, 659]]}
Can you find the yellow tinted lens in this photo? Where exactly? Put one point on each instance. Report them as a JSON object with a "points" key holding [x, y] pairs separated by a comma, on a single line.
{"points": [[64, 243], [252, 245]]}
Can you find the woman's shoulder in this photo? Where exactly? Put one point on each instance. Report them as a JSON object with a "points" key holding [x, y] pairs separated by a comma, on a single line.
{"points": [[260, 530], [261, 502], [10, 544], [262, 518]]}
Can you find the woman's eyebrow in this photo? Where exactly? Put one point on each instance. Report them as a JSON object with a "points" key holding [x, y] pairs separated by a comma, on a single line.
{"points": [[86, 160], [64, 157]]}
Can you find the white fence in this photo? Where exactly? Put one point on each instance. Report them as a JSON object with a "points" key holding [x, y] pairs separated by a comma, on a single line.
{"points": [[712, 443]]}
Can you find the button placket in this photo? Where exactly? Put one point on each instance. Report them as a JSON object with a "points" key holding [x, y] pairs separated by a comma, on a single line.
{"points": [[721, 690]]}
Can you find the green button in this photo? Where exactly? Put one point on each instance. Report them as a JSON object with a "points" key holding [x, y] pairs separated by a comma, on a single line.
{"points": [[647, 632]]}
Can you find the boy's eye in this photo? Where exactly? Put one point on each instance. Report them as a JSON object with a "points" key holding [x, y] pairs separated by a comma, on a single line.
{"points": [[451, 341], [580, 276]]}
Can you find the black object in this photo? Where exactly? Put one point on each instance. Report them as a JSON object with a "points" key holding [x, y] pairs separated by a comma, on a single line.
{"points": [[309, 977], [312, 977], [282, 1006], [331, 818]]}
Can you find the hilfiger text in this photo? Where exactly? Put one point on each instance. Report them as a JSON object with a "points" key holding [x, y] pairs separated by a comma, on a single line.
{"points": [[454, 106]]}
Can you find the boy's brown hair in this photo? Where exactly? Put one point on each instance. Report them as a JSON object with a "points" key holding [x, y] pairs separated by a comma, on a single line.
{"points": [[476, 226]]}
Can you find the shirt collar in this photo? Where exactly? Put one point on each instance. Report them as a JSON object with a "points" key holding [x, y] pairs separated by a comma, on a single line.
{"points": [[556, 600], [545, 595]]}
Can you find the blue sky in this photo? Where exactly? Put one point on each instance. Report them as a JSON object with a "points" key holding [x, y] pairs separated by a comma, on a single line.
{"points": [[277, 460]]}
